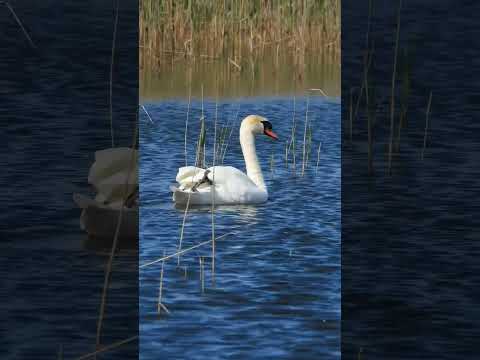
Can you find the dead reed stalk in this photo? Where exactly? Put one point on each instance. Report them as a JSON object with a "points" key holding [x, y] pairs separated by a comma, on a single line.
{"points": [[176, 254], [426, 125], [114, 40], [160, 304], [107, 348], [318, 157], [291, 146], [304, 158], [213, 190], [17, 19], [202, 273], [146, 112], [351, 114], [392, 104], [186, 124], [113, 250]]}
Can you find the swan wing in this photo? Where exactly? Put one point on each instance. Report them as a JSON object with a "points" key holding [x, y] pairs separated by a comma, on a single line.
{"points": [[233, 186], [189, 174]]}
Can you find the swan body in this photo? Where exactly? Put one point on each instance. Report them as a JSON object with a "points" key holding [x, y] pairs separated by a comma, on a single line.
{"points": [[226, 185]]}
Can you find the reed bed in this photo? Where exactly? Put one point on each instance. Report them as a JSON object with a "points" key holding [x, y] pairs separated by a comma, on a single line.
{"points": [[397, 100], [237, 30]]}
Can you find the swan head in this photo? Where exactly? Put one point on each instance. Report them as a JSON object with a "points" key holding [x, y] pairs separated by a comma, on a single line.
{"points": [[256, 125]]}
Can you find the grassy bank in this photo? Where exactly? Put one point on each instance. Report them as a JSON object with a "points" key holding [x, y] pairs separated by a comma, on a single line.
{"points": [[237, 30]]}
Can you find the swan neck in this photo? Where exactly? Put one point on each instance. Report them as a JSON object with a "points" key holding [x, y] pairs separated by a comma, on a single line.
{"points": [[254, 172]]}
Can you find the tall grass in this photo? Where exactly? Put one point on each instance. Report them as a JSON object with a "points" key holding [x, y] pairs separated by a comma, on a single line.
{"points": [[237, 30]]}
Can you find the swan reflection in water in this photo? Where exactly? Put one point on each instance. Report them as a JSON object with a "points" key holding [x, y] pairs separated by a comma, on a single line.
{"points": [[245, 215]]}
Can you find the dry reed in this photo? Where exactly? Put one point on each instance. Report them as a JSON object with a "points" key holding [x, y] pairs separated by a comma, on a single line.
{"points": [[237, 29], [107, 348], [213, 189], [426, 125], [160, 304], [114, 40], [304, 158], [351, 114], [146, 112], [392, 104], [186, 124], [113, 250], [318, 157], [180, 252], [202, 273], [17, 19]]}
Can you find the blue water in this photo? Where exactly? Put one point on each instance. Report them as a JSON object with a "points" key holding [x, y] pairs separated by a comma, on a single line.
{"points": [[277, 278], [55, 98]]}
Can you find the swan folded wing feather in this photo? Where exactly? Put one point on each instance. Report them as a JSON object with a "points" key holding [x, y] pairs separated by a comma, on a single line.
{"points": [[189, 173], [234, 186]]}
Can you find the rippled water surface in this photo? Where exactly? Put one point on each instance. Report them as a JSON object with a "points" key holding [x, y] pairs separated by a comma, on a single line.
{"points": [[277, 278]]}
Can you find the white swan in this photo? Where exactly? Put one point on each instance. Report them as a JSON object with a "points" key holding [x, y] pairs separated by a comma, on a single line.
{"points": [[226, 184]]}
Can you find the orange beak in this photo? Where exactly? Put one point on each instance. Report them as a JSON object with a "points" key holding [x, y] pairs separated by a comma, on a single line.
{"points": [[271, 134]]}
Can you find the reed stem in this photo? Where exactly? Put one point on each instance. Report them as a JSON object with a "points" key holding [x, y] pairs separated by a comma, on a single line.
{"points": [[186, 124], [182, 251], [426, 125], [160, 291], [108, 270], [213, 191], [17, 19], [114, 39], [305, 137], [202, 273], [392, 106], [318, 157], [351, 115]]}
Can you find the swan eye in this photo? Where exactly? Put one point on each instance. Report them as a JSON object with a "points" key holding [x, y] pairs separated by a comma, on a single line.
{"points": [[267, 130], [267, 125]]}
